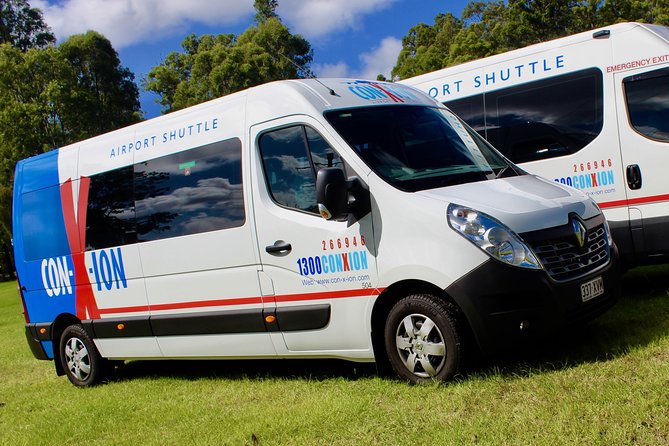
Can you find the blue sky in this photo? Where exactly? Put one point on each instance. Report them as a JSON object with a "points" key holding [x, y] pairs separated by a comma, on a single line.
{"points": [[352, 38]]}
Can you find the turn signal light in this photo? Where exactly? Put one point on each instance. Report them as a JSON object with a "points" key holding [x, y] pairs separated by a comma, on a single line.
{"points": [[270, 319], [120, 326], [42, 331]]}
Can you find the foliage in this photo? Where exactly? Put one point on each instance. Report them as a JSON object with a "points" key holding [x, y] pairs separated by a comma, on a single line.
{"points": [[212, 66], [265, 10], [106, 94], [22, 26], [427, 48], [492, 27], [53, 96]]}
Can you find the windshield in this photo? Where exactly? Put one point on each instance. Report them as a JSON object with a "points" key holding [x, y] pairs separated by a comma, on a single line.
{"points": [[418, 147]]}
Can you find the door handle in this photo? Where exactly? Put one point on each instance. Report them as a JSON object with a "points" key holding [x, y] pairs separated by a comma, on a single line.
{"points": [[634, 179], [279, 248]]}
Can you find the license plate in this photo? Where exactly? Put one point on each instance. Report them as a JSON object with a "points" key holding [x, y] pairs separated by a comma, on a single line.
{"points": [[592, 289]]}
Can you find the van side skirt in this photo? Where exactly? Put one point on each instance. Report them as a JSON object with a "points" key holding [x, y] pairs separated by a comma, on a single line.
{"points": [[297, 318]]}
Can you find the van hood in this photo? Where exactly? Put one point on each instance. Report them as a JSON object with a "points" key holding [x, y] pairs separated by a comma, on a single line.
{"points": [[524, 203]]}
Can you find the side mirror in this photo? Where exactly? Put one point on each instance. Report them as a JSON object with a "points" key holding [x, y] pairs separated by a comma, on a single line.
{"points": [[332, 193]]}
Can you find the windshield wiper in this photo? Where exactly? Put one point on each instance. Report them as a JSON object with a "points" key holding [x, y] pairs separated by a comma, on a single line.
{"points": [[502, 171]]}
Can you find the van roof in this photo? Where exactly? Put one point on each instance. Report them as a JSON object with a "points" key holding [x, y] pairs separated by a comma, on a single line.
{"points": [[274, 100]]}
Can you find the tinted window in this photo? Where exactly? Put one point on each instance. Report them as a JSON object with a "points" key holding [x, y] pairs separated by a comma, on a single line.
{"points": [[195, 191], [291, 157], [416, 147], [471, 111], [190, 192], [541, 119], [647, 97], [110, 220]]}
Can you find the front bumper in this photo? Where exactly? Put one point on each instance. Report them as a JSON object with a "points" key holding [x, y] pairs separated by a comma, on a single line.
{"points": [[507, 306]]}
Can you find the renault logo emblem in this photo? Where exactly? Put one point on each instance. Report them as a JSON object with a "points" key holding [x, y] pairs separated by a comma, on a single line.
{"points": [[579, 231]]}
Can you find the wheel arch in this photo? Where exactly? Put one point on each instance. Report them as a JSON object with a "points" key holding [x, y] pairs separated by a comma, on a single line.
{"points": [[61, 322], [387, 299]]}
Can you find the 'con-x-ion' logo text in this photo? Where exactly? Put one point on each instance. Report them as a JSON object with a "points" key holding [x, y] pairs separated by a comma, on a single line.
{"points": [[378, 91]]}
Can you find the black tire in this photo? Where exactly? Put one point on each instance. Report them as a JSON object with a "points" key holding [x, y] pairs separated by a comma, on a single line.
{"points": [[80, 358], [423, 339]]}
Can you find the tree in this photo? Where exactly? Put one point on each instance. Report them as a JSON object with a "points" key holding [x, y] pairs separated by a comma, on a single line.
{"points": [[492, 27], [53, 96], [647, 11], [106, 94], [485, 32], [22, 26], [427, 48], [212, 66], [265, 10]]}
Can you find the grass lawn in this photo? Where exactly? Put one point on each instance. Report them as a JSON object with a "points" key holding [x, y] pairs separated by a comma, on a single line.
{"points": [[603, 384]]}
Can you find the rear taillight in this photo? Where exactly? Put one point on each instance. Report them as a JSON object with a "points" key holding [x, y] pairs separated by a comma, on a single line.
{"points": [[23, 302]]}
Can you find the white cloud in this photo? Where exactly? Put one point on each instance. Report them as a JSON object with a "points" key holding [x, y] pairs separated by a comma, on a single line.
{"points": [[317, 18], [340, 69], [126, 22], [382, 59]]}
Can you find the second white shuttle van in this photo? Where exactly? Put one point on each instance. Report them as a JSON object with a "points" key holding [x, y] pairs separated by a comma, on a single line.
{"points": [[590, 111], [335, 218]]}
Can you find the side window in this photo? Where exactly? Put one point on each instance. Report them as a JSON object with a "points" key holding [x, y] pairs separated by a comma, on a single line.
{"points": [[471, 111], [539, 120], [110, 218], [199, 190], [291, 157], [647, 97]]}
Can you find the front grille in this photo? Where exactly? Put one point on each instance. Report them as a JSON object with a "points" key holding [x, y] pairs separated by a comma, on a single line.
{"points": [[562, 258]]}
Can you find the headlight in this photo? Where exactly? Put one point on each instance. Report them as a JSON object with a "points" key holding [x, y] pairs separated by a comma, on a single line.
{"points": [[491, 236]]}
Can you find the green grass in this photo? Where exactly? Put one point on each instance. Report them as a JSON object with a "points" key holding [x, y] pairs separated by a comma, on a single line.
{"points": [[604, 384]]}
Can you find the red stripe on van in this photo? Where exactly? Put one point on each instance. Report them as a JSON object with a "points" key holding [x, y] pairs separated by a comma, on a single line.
{"points": [[75, 226], [245, 301], [633, 201], [328, 295]]}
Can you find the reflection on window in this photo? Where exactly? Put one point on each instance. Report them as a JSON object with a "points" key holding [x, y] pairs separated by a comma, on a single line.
{"points": [[416, 147], [110, 219], [541, 119], [471, 111], [190, 192], [647, 97], [291, 157]]}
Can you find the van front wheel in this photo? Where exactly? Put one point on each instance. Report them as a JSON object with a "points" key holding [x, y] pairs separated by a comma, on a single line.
{"points": [[81, 361], [422, 339]]}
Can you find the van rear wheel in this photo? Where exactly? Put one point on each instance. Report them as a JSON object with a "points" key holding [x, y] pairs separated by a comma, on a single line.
{"points": [[422, 339], [80, 358]]}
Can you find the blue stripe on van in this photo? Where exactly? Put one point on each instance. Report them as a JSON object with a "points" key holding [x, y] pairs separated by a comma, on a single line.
{"points": [[41, 248]]}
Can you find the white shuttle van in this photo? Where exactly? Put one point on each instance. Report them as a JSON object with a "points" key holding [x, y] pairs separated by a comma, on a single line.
{"points": [[590, 111], [327, 219]]}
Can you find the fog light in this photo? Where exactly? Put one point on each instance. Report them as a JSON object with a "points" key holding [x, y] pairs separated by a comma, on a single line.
{"points": [[524, 325]]}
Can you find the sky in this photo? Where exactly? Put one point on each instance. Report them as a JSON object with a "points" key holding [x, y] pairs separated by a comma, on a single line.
{"points": [[350, 38]]}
